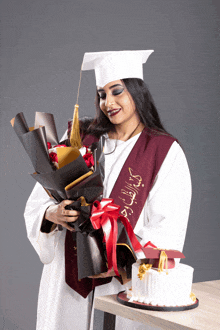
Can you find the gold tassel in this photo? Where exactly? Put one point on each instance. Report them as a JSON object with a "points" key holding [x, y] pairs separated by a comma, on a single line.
{"points": [[162, 260], [75, 139]]}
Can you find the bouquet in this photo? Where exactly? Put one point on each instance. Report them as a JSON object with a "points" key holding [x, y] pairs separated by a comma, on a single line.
{"points": [[68, 170]]}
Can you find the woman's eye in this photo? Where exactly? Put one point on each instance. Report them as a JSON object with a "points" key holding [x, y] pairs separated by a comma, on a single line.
{"points": [[117, 91]]}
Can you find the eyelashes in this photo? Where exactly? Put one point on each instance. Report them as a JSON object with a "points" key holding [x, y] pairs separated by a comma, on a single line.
{"points": [[115, 92]]}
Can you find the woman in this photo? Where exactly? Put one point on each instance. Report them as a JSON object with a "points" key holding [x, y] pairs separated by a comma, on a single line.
{"points": [[145, 172]]}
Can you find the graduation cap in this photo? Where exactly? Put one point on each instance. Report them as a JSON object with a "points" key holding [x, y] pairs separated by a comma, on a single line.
{"points": [[110, 66], [161, 258]]}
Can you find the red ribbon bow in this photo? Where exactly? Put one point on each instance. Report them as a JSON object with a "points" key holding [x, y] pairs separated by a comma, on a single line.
{"points": [[149, 244], [105, 214]]}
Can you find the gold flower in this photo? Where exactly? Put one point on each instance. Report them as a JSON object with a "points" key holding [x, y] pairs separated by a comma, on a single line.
{"points": [[142, 270]]}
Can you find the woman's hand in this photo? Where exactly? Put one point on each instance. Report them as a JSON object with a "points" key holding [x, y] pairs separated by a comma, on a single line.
{"points": [[60, 216]]}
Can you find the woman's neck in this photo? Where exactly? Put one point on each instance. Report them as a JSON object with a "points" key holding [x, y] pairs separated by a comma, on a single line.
{"points": [[124, 133]]}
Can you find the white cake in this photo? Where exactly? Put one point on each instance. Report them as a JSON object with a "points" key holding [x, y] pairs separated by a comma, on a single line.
{"points": [[170, 288]]}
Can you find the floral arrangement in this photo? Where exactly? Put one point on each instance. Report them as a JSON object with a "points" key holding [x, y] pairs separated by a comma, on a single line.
{"points": [[70, 170], [67, 170]]}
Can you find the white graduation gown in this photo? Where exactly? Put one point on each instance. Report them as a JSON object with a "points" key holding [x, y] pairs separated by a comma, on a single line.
{"points": [[163, 221]]}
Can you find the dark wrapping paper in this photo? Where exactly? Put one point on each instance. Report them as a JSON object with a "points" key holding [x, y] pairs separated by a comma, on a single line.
{"points": [[90, 188], [91, 258], [35, 144], [20, 125], [85, 285], [47, 120], [125, 253], [59, 179]]}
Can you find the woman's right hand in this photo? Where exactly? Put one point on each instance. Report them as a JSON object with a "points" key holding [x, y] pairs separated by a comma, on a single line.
{"points": [[60, 216]]}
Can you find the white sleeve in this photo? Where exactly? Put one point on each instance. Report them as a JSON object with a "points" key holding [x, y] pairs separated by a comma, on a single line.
{"points": [[164, 219], [43, 243]]}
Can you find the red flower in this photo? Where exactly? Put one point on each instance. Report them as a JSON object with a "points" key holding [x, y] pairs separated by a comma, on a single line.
{"points": [[53, 157], [60, 145], [49, 145], [89, 159]]}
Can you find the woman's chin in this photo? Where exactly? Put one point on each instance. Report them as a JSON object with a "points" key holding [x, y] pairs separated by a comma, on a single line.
{"points": [[115, 120]]}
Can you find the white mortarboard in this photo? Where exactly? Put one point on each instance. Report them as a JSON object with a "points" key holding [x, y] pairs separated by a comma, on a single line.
{"points": [[110, 66]]}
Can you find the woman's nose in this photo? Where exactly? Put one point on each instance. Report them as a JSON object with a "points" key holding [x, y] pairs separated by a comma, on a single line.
{"points": [[109, 101]]}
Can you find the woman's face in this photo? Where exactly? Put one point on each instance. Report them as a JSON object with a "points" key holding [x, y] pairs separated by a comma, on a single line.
{"points": [[117, 103]]}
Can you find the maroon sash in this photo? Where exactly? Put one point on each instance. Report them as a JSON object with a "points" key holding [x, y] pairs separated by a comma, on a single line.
{"points": [[139, 172], [130, 192]]}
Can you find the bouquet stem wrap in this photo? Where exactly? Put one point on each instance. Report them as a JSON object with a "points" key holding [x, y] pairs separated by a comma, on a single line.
{"points": [[105, 215]]}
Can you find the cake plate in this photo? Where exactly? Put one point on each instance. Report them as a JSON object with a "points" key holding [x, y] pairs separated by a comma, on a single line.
{"points": [[122, 299]]}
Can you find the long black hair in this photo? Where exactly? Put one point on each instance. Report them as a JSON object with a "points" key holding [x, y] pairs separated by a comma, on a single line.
{"points": [[144, 104]]}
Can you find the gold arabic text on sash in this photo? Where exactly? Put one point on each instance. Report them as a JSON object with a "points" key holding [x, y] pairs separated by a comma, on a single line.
{"points": [[129, 193]]}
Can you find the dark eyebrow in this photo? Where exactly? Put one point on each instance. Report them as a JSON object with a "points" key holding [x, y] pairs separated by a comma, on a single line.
{"points": [[115, 86], [102, 90]]}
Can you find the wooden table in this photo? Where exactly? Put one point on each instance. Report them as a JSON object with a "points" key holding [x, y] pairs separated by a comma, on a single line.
{"points": [[206, 316]]}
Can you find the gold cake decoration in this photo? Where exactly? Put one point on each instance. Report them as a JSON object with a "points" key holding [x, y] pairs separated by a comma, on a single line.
{"points": [[162, 261], [143, 269], [192, 296]]}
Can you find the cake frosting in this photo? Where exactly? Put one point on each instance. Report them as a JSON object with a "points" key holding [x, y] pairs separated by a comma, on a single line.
{"points": [[161, 286]]}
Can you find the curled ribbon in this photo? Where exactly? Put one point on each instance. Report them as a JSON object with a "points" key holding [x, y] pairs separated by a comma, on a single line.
{"points": [[105, 215]]}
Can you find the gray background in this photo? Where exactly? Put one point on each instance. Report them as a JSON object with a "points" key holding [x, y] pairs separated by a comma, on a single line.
{"points": [[42, 46]]}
